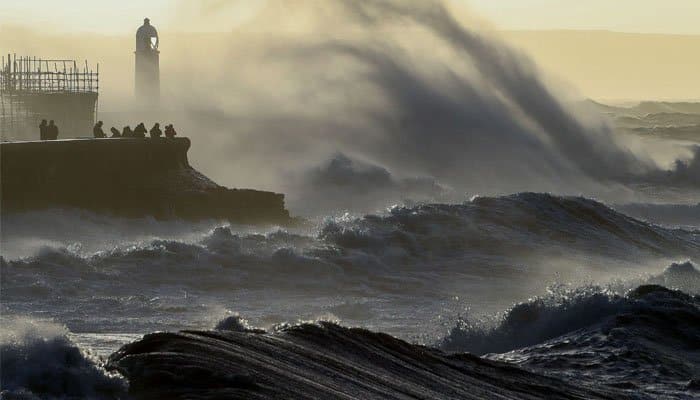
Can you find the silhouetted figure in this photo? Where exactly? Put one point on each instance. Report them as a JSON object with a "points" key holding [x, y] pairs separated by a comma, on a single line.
{"points": [[97, 131], [43, 131], [52, 131], [140, 130], [155, 131], [170, 131], [126, 132], [115, 132]]}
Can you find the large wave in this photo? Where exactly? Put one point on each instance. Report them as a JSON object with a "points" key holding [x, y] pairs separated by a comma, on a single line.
{"points": [[649, 344], [642, 340], [397, 272], [350, 267], [599, 351], [40, 362], [515, 224], [320, 360], [561, 311], [520, 225]]}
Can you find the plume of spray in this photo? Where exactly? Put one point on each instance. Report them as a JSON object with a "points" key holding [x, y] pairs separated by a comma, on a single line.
{"points": [[474, 114], [402, 89], [511, 77]]}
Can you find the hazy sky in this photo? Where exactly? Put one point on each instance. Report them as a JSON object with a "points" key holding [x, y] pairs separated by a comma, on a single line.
{"points": [[644, 16], [657, 16]]}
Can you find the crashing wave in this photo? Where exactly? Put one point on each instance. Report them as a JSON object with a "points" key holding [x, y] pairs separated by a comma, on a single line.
{"points": [[413, 251], [562, 310], [503, 225], [40, 362], [508, 225], [642, 345], [321, 360], [236, 323], [683, 276], [645, 341]]}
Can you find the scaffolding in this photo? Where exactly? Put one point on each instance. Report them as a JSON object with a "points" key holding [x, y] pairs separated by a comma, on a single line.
{"points": [[32, 89]]}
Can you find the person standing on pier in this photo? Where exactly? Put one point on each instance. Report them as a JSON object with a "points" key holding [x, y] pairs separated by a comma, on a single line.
{"points": [[155, 132], [52, 131], [97, 131], [140, 130], [126, 132], [43, 131], [170, 131]]}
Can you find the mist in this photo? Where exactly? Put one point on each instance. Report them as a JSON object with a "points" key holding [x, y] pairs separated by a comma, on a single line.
{"points": [[402, 99]]}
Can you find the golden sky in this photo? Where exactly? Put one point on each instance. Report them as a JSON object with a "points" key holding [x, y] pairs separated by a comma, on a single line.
{"points": [[577, 42], [643, 16]]}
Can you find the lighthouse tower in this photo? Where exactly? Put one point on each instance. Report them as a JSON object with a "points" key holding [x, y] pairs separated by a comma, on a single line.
{"points": [[147, 71]]}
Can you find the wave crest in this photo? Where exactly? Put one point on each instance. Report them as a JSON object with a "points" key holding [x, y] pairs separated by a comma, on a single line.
{"points": [[40, 362]]}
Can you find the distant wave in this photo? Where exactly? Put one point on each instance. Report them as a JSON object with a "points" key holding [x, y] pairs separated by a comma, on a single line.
{"points": [[520, 224], [507, 225], [426, 254], [352, 250], [687, 132], [329, 186], [40, 362], [685, 215], [662, 119]]}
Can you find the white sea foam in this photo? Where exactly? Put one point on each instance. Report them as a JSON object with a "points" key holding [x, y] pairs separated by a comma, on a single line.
{"points": [[40, 362]]}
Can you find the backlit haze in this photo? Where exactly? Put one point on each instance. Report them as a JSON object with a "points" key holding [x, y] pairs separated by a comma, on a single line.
{"points": [[606, 49], [636, 16], [282, 87], [516, 179]]}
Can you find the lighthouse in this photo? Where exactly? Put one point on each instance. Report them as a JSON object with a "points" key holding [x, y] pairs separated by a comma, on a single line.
{"points": [[147, 71]]}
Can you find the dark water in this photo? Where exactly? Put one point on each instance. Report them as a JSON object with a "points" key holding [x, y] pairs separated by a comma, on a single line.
{"points": [[553, 297], [552, 285]]}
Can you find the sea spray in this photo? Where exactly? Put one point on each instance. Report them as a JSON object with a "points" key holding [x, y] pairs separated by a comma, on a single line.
{"points": [[39, 361]]}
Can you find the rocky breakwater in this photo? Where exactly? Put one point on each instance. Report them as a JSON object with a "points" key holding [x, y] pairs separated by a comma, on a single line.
{"points": [[125, 177]]}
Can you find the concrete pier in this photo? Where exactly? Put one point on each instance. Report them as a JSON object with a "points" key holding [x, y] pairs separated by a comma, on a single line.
{"points": [[131, 177]]}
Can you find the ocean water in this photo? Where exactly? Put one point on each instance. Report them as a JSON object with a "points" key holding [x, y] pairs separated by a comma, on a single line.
{"points": [[563, 287], [519, 296]]}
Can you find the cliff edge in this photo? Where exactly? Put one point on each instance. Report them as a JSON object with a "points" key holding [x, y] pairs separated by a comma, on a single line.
{"points": [[128, 177]]}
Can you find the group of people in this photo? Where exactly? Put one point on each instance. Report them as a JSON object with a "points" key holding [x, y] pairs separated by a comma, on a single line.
{"points": [[48, 132], [138, 132]]}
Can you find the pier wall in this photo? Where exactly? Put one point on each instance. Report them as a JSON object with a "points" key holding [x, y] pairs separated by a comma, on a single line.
{"points": [[131, 177]]}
